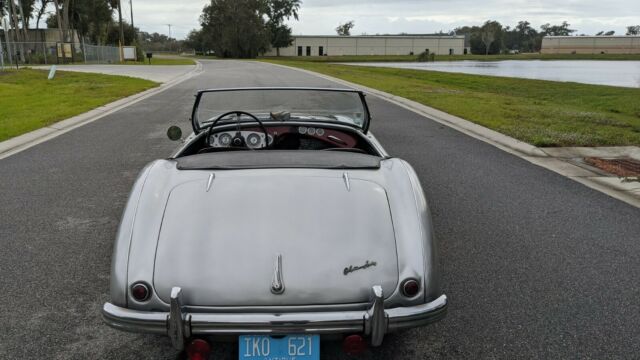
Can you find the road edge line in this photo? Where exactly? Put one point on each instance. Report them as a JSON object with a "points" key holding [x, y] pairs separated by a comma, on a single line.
{"points": [[25, 141], [532, 154]]}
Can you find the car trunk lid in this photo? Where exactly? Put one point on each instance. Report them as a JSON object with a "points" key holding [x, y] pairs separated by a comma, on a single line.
{"points": [[221, 245]]}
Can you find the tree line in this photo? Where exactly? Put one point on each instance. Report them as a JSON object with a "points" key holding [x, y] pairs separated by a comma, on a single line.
{"points": [[95, 21], [494, 38], [240, 28]]}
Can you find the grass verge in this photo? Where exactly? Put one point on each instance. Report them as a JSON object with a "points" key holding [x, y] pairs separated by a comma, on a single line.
{"points": [[542, 113], [28, 101], [409, 58]]}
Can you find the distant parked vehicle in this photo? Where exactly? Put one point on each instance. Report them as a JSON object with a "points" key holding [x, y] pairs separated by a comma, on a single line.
{"points": [[281, 219]]}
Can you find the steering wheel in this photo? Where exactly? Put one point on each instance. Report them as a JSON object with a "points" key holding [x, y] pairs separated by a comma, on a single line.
{"points": [[238, 141]]}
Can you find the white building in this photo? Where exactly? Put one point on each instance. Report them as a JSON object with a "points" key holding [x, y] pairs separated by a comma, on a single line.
{"points": [[591, 45], [304, 45]]}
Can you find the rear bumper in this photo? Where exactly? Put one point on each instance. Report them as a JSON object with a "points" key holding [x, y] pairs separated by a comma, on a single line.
{"points": [[179, 325]]}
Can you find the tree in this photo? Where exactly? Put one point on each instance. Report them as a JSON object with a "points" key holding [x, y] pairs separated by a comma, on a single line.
{"points": [[92, 19], [26, 8], [196, 40], [62, 18], [41, 10], [557, 30], [235, 28], [161, 42], [278, 11], [633, 30], [490, 32], [527, 37], [345, 29]]}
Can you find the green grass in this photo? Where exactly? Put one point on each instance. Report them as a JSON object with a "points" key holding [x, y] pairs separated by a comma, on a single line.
{"points": [[28, 101], [409, 58], [542, 113]]}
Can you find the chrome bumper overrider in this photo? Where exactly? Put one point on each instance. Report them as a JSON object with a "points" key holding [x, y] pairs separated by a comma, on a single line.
{"points": [[180, 325]]}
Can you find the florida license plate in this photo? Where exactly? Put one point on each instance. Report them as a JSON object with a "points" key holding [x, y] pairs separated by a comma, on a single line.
{"points": [[290, 347]]}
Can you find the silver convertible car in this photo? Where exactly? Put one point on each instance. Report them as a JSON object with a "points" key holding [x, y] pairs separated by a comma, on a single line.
{"points": [[279, 221]]}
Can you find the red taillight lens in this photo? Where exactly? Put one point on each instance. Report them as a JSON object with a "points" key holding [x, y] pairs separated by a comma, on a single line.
{"points": [[354, 345], [198, 349], [140, 292], [410, 288]]}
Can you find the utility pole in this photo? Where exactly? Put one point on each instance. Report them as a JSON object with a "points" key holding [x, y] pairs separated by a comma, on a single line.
{"points": [[169, 25], [121, 29], [135, 37]]}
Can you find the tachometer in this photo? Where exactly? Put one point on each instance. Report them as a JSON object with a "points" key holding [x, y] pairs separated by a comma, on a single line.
{"points": [[254, 140]]}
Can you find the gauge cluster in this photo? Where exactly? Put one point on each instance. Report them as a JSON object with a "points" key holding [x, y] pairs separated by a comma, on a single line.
{"points": [[252, 139]]}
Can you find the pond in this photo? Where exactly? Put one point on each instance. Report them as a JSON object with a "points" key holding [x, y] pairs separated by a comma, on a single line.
{"points": [[613, 73]]}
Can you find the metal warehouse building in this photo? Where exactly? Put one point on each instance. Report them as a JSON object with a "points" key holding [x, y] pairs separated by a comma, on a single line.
{"points": [[373, 45], [591, 45]]}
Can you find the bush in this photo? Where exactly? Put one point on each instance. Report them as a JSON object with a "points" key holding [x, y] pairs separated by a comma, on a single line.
{"points": [[425, 56]]}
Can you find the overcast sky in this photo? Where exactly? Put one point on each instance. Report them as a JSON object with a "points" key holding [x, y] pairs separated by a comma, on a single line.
{"points": [[320, 17]]}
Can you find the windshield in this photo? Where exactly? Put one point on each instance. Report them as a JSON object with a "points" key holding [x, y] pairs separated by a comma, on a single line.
{"points": [[315, 105]]}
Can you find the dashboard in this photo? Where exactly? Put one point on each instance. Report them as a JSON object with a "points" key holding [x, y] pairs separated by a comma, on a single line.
{"points": [[254, 138]]}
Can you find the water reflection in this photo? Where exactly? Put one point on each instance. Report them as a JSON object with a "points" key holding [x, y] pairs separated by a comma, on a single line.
{"points": [[613, 73]]}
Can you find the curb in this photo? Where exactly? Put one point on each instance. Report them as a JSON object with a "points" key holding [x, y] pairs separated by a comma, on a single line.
{"points": [[525, 151], [25, 141]]}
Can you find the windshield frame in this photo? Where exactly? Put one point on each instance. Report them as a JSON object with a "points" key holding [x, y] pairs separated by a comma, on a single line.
{"points": [[364, 128]]}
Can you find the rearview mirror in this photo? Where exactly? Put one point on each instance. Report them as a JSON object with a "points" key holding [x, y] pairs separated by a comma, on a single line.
{"points": [[174, 133]]}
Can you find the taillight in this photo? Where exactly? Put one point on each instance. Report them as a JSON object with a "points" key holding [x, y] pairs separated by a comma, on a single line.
{"points": [[410, 288], [354, 345], [198, 349], [140, 291]]}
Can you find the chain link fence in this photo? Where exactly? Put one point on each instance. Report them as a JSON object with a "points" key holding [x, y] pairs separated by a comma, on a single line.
{"points": [[101, 54], [47, 53]]}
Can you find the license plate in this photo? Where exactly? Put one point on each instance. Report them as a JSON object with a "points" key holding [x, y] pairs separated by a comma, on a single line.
{"points": [[290, 347]]}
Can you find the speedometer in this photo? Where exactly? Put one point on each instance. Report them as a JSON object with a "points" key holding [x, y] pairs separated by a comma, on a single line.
{"points": [[225, 139]]}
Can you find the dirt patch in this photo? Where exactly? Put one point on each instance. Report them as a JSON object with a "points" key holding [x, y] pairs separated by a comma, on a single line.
{"points": [[621, 167]]}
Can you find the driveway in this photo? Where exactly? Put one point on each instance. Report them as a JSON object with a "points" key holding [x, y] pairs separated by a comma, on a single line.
{"points": [[535, 265]]}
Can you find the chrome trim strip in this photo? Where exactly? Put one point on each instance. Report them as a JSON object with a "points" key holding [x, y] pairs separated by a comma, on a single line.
{"points": [[277, 284], [345, 176], [337, 322], [210, 181]]}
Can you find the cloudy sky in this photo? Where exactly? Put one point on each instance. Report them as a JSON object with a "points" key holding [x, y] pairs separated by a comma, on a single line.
{"points": [[410, 16]]}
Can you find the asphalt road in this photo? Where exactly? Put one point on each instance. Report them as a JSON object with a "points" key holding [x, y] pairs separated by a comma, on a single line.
{"points": [[535, 265]]}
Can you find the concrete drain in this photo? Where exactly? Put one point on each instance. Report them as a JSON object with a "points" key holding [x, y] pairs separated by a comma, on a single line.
{"points": [[621, 167]]}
